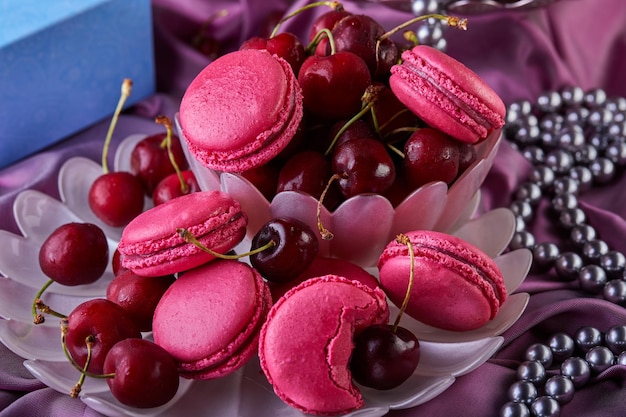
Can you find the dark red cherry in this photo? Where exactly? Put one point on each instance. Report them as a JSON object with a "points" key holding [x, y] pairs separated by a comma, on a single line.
{"points": [[383, 358], [308, 172], [74, 254], [364, 166], [116, 198], [430, 155], [145, 374], [467, 156], [295, 247], [138, 295], [332, 86], [104, 323], [285, 45], [150, 160], [116, 263], [359, 34], [264, 178], [328, 21], [171, 187]]}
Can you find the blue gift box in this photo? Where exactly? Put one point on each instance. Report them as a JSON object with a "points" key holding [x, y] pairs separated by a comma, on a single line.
{"points": [[62, 63]]}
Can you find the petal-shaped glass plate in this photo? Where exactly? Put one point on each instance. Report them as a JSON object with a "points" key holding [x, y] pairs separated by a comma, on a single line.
{"points": [[479, 231], [32, 342], [16, 302], [456, 359], [38, 215], [121, 161], [62, 376], [416, 390]]}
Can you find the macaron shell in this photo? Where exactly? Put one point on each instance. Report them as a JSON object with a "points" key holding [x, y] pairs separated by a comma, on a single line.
{"points": [[241, 110], [210, 318], [152, 246], [446, 94], [456, 286], [307, 341]]}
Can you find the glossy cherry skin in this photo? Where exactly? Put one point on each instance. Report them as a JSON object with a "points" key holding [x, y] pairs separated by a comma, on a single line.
{"points": [[359, 34], [306, 171], [150, 161], [74, 254], [285, 45], [170, 187], [296, 246], [467, 156], [328, 21], [430, 155], [146, 375], [384, 359], [332, 86], [364, 166], [116, 198], [264, 178], [116, 263], [138, 295], [105, 322]]}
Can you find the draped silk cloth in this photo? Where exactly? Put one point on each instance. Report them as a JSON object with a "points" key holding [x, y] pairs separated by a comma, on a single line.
{"points": [[520, 54]]}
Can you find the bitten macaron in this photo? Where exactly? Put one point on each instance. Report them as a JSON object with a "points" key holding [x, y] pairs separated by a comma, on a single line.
{"points": [[456, 285], [152, 246], [307, 340], [446, 94], [241, 110], [210, 318]]}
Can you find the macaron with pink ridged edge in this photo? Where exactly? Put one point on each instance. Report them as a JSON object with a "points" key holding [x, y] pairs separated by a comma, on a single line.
{"points": [[241, 110], [446, 94]]}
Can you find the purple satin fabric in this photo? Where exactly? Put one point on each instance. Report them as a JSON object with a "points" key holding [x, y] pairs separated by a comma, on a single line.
{"points": [[520, 54]]}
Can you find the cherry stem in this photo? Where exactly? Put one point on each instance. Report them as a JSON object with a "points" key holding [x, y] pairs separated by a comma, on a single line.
{"points": [[394, 117], [335, 5], [125, 93], [452, 21], [167, 122], [395, 150], [404, 239], [369, 99], [324, 232], [38, 304], [190, 238], [89, 341], [318, 37]]}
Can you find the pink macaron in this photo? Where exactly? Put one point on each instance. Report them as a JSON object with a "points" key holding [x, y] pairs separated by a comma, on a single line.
{"points": [[446, 94], [456, 286], [151, 245], [210, 318], [241, 110], [307, 340]]}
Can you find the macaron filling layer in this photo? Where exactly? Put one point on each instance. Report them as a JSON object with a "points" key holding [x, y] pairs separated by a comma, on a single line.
{"points": [[436, 87]]}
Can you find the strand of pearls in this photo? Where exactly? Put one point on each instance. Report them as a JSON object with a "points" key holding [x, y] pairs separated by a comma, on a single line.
{"points": [[551, 372], [575, 140]]}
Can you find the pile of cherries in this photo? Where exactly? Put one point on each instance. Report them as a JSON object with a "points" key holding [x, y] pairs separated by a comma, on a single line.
{"points": [[343, 68], [356, 137]]}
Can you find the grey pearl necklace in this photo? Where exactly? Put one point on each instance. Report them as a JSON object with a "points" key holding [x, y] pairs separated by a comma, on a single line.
{"points": [[575, 140], [551, 372]]}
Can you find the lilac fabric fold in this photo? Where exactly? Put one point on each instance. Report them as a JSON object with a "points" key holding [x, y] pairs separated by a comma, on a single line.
{"points": [[520, 54]]}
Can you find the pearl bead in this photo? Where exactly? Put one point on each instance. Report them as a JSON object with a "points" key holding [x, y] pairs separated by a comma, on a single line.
{"points": [[534, 154], [583, 176], [545, 407], [577, 369], [562, 346], [572, 217], [587, 337], [522, 209], [586, 154], [564, 201], [541, 353], [422, 7], [523, 107], [531, 371], [530, 192], [560, 388], [615, 339], [602, 169], [581, 234], [549, 102], [595, 97], [512, 409], [545, 253], [551, 122], [559, 160], [593, 250], [621, 359], [592, 278], [613, 262], [615, 292], [572, 95], [616, 153], [600, 358], [571, 137], [522, 392], [566, 185], [522, 240], [568, 266]]}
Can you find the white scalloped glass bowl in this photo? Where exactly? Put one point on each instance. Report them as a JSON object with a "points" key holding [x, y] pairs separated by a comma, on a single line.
{"points": [[364, 224], [245, 393]]}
